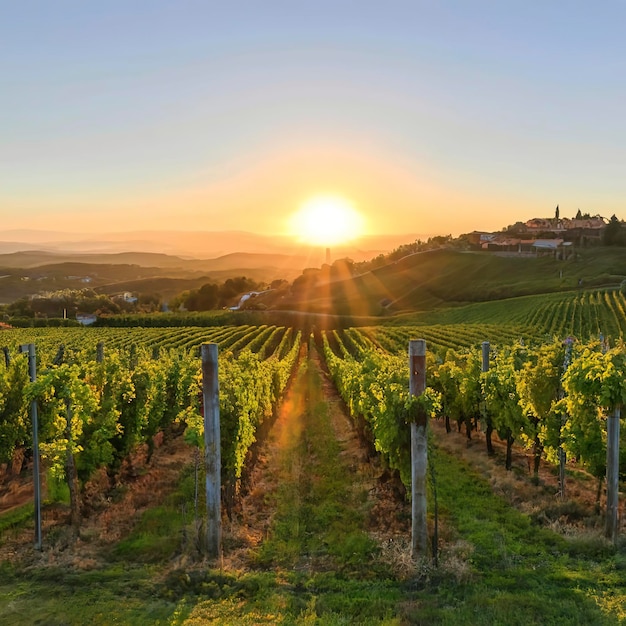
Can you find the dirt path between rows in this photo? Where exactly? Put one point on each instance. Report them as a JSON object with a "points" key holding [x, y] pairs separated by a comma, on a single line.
{"points": [[388, 518]]}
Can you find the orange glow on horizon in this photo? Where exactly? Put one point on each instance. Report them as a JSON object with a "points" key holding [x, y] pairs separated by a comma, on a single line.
{"points": [[260, 191]]}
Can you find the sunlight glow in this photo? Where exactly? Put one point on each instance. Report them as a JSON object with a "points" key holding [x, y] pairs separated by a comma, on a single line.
{"points": [[326, 221]]}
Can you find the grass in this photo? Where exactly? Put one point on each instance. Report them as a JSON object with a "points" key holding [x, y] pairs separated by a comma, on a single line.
{"points": [[318, 517], [155, 538], [16, 518], [114, 595], [317, 565], [441, 278], [521, 573]]}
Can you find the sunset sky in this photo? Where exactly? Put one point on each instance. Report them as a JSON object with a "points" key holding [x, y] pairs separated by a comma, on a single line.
{"points": [[429, 117]]}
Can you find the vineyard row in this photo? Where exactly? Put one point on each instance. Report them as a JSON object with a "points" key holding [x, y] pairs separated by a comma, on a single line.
{"points": [[94, 411]]}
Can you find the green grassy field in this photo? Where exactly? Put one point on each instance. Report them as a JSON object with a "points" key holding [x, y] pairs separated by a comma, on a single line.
{"points": [[442, 278]]}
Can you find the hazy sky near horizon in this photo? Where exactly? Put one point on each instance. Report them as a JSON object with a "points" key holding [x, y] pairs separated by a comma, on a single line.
{"points": [[431, 117]]}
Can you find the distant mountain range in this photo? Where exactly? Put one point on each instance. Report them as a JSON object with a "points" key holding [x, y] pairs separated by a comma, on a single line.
{"points": [[33, 261], [191, 245], [40, 258]]}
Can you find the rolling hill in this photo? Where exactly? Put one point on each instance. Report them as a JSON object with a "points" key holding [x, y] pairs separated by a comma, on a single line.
{"points": [[445, 277], [30, 272]]}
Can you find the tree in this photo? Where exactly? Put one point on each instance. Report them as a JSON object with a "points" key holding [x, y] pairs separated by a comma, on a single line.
{"points": [[233, 287], [341, 269], [614, 233], [306, 282], [279, 283], [20, 308], [149, 302], [203, 299]]}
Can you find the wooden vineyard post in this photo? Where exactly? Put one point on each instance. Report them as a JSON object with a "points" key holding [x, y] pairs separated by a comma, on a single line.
{"points": [[70, 469], [419, 451], [212, 451], [485, 348], [32, 370], [569, 342], [612, 474]]}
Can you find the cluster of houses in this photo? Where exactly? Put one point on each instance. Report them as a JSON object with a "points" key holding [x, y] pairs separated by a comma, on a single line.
{"points": [[555, 235]]}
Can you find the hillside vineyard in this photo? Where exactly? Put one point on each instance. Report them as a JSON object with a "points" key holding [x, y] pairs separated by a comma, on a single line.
{"points": [[149, 379]]}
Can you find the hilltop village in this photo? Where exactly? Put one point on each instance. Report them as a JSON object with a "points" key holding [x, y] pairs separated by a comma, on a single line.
{"points": [[545, 234]]}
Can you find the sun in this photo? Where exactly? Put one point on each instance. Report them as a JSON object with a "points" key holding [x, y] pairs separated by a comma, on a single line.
{"points": [[326, 221]]}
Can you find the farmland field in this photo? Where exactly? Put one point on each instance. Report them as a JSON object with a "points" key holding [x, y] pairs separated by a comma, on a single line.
{"points": [[584, 314], [309, 539]]}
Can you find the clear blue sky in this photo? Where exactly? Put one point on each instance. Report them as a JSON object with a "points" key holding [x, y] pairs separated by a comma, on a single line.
{"points": [[433, 117]]}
